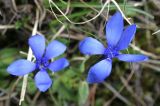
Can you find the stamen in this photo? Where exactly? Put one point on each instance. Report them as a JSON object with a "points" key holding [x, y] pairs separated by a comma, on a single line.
{"points": [[42, 64], [110, 53]]}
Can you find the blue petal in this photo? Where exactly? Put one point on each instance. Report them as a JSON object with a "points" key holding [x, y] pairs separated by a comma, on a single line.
{"points": [[21, 67], [91, 46], [54, 49], [132, 57], [37, 44], [127, 37], [42, 80], [58, 64], [114, 29], [99, 71]]}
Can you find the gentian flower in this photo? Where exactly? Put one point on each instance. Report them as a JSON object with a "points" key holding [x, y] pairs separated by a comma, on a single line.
{"points": [[118, 39], [43, 61]]}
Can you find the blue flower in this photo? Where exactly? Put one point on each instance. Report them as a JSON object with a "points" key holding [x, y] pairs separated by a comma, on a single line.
{"points": [[43, 61], [118, 39]]}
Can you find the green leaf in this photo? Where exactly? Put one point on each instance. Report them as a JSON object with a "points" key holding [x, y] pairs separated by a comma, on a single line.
{"points": [[83, 93], [3, 73], [31, 87], [7, 55], [18, 24]]}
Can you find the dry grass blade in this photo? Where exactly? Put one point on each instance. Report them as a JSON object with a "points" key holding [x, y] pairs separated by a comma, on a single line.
{"points": [[7, 26], [117, 94], [29, 57], [156, 32], [51, 2]]}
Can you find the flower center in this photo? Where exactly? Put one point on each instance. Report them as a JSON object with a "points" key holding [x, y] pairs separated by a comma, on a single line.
{"points": [[110, 53], [42, 63]]}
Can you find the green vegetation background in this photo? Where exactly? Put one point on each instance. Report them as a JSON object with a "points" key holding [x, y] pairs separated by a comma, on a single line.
{"points": [[129, 84]]}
